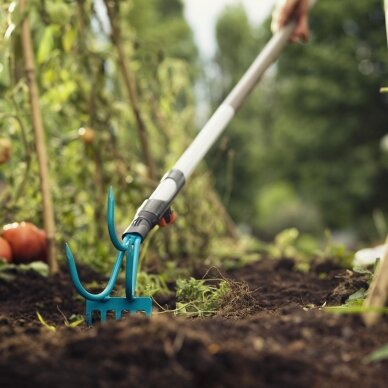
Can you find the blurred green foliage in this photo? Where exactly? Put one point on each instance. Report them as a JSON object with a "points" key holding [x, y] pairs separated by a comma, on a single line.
{"points": [[81, 86], [305, 149], [303, 152]]}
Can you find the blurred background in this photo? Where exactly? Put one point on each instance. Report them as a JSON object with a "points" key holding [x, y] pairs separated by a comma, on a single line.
{"points": [[309, 148]]}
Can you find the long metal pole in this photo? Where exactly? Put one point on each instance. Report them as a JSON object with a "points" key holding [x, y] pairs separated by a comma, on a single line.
{"points": [[224, 113], [155, 207]]}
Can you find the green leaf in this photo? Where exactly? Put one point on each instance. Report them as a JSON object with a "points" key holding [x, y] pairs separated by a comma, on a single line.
{"points": [[68, 39], [44, 323], [36, 266], [360, 294], [59, 12], [46, 45], [378, 355], [355, 309]]}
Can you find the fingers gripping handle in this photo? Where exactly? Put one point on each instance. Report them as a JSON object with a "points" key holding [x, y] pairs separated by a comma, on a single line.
{"points": [[153, 209]]}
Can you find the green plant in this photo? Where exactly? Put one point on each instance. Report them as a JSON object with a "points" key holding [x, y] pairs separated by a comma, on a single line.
{"points": [[290, 243], [338, 252], [7, 269], [354, 305], [81, 87], [197, 298], [73, 321], [284, 244], [44, 323], [151, 284], [232, 253]]}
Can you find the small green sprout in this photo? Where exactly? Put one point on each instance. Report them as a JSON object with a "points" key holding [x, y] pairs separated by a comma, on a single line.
{"points": [[354, 305], [44, 323], [73, 321], [378, 355]]}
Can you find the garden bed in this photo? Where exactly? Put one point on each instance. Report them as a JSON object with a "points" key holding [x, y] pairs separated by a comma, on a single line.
{"points": [[281, 338]]}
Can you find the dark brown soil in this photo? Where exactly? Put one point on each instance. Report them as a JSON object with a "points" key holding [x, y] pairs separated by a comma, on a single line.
{"points": [[280, 338]]}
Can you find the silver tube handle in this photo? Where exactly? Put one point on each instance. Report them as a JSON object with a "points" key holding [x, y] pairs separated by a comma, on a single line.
{"points": [[262, 62], [153, 208]]}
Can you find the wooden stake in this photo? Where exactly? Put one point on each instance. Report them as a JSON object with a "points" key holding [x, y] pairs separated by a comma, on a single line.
{"points": [[378, 290], [131, 88], [37, 123], [386, 15]]}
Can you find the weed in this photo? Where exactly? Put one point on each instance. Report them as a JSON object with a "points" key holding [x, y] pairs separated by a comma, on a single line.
{"points": [[197, 298], [73, 321], [352, 305], [44, 323], [151, 284], [285, 244], [304, 248], [338, 252], [222, 297], [233, 253]]}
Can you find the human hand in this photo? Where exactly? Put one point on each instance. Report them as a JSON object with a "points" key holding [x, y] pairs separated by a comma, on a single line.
{"points": [[285, 10], [168, 218]]}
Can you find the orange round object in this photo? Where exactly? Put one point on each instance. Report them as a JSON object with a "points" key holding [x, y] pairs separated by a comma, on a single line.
{"points": [[87, 135], [28, 243], [5, 250]]}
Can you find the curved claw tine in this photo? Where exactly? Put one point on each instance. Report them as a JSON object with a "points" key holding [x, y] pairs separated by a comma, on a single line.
{"points": [[111, 222], [131, 267], [77, 284]]}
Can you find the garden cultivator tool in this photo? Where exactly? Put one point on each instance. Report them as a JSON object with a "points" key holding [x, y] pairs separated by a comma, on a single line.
{"points": [[129, 248], [153, 210]]}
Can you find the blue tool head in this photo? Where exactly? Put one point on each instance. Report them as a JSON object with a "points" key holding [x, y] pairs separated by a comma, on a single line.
{"points": [[118, 306], [102, 303]]}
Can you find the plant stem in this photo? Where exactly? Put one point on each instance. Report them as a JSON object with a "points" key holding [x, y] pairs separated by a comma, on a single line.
{"points": [[37, 123], [131, 88]]}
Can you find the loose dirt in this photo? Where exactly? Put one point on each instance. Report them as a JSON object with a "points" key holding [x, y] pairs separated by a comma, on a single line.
{"points": [[280, 338]]}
